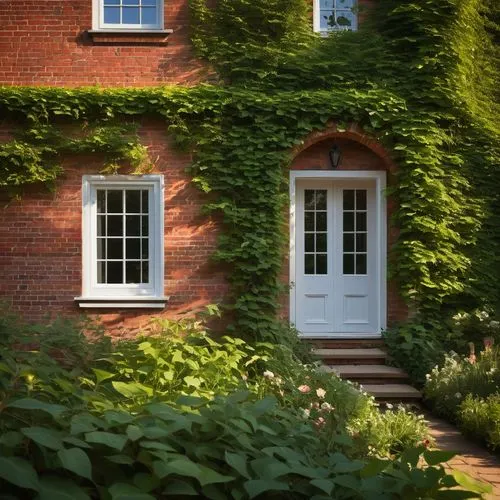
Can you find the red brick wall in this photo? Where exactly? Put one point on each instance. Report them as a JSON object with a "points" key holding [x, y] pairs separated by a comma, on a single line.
{"points": [[359, 152], [45, 42], [41, 244]]}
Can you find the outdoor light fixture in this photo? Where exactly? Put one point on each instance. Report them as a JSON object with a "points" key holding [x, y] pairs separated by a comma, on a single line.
{"points": [[335, 156]]}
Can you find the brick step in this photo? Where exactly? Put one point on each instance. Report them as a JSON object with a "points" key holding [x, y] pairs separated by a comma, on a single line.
{"points": [[344, 344], [368, 374], [372, 356], [393, 392]]}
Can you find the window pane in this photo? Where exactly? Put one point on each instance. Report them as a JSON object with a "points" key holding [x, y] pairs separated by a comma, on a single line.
{"points": [[101, 201], [361, 242], [101, 272], [309, 202], [309, 263], [133, 272], [321, 264], [130, 15], [309, 221], [133, 248], [111, 2], [349, 242], [133, 225], [130, 2], [149, 15], [145, 272], [349, 199], [326, 20], [145, 248], [115, 225], [101, 225], [348, 263], [309, 244], [115, 248], [361, 263], [145, 225], [145, 198], [149, 2], [345, 19], [326, 4], [112, 15], [115, 201], [115, 272], [321, 221], [348, 221], [321, 199], [321, 243], [361, 221], [361, 199], [345, 4], [101, 248], [133, 202]]}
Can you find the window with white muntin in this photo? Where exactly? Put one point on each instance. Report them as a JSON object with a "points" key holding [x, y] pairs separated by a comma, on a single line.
{"points": [[128, 14], [122, 241], [335, 15]]}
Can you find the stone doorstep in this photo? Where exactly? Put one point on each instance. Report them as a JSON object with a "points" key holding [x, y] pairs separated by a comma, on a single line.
{"points": [[359, 372], [392, 391], [350, 353]]}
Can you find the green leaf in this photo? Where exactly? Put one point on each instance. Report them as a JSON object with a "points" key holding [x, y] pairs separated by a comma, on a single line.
{"points": [[34, 404], [470, 483], [123, 491], [102, 375], [177, 487], [19, 472], [58, 488], [180, 467], [269, 468], [374, 466], [76, 442], [256, 487], [435, 457], [77, 461], [116, 441], [193, 381], [209, 476], [238, 462], [134, 432], [121, 459], [157, 445], [49, 438], [132, 389], [324, 485], [11, 439]]}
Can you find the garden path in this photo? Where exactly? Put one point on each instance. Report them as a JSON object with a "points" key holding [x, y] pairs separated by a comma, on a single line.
{"points": [[472, 458]]}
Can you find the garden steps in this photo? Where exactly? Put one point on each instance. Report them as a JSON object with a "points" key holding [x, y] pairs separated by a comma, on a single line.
{"points": [[364, 362]]}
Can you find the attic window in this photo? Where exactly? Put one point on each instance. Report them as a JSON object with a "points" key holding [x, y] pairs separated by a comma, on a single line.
{"points": [[128, 14], [335, 15]]}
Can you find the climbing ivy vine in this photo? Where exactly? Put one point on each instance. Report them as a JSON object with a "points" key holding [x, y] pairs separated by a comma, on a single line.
{"points": [[420, 76]]}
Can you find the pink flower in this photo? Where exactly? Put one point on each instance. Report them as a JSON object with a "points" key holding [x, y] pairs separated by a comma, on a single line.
{"points": [[304, 389], [321, 393]]}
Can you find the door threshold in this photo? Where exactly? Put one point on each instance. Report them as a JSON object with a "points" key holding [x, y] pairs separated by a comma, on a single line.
{"points": [[343, 336]]}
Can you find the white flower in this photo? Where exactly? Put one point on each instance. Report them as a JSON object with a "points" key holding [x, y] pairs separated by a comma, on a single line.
{"points": [[389, 406], [268, 374], [326, 406], [494, 324], [306, 412], [321, 393], [458, 395]]}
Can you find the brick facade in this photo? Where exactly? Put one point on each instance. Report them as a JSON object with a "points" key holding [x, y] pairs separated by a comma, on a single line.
{"points": [[46, 42]]}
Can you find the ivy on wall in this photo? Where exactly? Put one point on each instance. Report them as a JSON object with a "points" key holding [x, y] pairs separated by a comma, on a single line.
{"points": [[420, 76]]}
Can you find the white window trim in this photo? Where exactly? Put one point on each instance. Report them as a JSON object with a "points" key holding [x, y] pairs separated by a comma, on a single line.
{"points": [[122, 295], [98, 23], [317, 23]]}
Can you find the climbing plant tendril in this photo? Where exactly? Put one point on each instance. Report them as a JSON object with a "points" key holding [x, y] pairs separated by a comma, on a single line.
{"points": [[419, 76]]}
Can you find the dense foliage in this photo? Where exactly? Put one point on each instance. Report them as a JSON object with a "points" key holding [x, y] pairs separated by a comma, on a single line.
{"points": [[419, 76], [163, 417], [466, 390]]}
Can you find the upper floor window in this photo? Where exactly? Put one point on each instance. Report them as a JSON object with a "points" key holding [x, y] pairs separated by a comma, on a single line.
{"points": [[335, 15], [128, 14]]}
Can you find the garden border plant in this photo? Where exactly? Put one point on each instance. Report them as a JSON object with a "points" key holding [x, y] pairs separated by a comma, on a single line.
{"points": [[425, 90]]}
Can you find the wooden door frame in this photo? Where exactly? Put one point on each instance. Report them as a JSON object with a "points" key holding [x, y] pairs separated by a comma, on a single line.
{"points": [[380, 202]]}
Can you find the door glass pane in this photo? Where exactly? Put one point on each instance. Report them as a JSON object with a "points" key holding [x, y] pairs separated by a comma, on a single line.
{"points": [[349, 199], [101, 201], [321, 199], [348, 263], [101, 225], [348, 221], [133, 225], [115, 272], [321, 264], [355, 237], [321, 242], [112, 15], [309, 246], [315, 231], [309, 221], [309, 201], [149, 15], [361, 263], [309, 263], [101, 272], [133, 248], [349, 242], [145, 272], [320, 221], [361, 199], [131, 15], [361, 242], [361, 221]]}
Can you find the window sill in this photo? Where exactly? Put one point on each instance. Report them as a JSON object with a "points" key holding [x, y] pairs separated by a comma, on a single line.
{"points": [[122, 302], [129, 37]]}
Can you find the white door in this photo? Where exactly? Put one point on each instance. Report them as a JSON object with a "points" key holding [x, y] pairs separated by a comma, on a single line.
{"points": [[337, 280]]}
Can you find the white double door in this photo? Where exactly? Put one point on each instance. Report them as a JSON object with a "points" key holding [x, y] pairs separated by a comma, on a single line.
{"points": [[337, 256]]}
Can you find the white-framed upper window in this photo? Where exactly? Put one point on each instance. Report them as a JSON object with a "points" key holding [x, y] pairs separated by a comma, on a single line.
{"points": [[335, 15], [128, 14], [122, 237]]}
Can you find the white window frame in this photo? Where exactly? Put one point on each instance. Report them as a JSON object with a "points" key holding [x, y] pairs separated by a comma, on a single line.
{"points": [[123, 295], [317, 22], [99, 24]]}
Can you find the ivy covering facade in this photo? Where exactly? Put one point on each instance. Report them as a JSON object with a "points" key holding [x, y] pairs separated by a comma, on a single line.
{"points": [[419, 76]]}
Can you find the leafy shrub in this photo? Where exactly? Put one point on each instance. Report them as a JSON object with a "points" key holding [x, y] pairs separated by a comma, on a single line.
{"points": [[228, 448], [480, 418], [416, 348], [474, 327], [448, 386]]}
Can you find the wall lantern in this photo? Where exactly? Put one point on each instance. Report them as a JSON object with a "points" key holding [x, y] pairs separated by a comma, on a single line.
{"points": [[335, 156]]}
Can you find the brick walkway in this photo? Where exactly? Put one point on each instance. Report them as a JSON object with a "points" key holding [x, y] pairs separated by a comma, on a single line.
{"points": [[472, 458]]}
